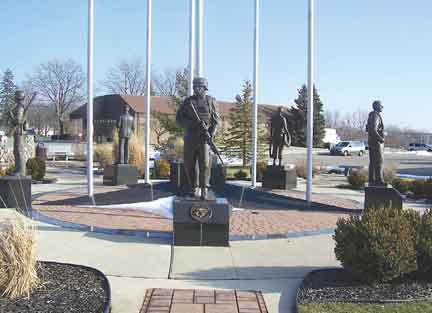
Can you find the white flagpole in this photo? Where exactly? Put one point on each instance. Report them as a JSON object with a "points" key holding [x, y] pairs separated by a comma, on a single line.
{"points": [[310, 115], [199, 39], [90, 42], [147, 95], [255, 92], [191, 46]]}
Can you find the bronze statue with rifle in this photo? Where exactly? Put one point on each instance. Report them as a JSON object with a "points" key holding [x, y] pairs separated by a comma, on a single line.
{"points": [[198, 115]]}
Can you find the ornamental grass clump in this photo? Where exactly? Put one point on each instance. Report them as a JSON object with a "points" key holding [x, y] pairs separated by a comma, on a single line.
{"points": [[379, 246], [18, 274]]}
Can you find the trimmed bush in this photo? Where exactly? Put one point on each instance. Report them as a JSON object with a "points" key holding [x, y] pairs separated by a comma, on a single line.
{"points": [[357, 179], [241, 175], [377, 247], [162, 168], [301, 170], [402, 185], [422, 188], [424, 244], [36, 168]]}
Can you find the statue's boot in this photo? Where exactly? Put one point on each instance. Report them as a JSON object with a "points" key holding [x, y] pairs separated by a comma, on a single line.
{"points": [[203, 193]]}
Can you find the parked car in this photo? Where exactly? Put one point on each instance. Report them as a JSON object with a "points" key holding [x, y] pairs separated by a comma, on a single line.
{"points": [[349, 148], [419, 147]]}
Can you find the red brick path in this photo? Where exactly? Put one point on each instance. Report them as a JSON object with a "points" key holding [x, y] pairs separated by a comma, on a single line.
{"points": [[203, 301], [69, 206]]}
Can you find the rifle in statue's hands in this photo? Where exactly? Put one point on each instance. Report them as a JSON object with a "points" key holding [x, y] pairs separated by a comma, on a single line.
{"points": [[207, 136]]}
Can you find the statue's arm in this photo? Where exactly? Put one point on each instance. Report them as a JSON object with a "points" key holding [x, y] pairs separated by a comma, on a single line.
{"points": [[374, 129], [183, 116], [215, 118]]}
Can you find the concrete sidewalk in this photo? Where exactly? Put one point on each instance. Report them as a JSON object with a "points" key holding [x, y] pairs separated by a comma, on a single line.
{"points": [[275, 267]]}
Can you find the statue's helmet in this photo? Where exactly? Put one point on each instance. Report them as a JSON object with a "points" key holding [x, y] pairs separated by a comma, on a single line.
{"points": [[377, 105], [19, 95], [200, 82]]}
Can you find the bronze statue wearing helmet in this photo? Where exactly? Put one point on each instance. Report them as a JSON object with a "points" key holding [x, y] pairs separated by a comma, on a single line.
{"points": [[198, 115]]}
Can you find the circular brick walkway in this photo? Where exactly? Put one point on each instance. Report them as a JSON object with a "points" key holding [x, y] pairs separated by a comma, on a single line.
{"points": [[73, 206]]}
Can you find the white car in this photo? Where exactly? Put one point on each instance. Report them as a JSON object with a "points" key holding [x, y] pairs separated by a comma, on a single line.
{"points": [[419, 147]]}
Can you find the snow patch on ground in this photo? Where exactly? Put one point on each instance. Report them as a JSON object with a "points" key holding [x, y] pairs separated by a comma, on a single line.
{"points": [[162, 206]]}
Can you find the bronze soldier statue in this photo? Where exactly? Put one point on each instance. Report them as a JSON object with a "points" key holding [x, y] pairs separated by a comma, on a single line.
{"points": [[198, 115], [126, 128], [279, 135], [375, 130], [19, 127]]}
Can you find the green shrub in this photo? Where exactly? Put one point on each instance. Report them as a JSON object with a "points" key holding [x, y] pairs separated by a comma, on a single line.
{"points": [[162, 168], [357, 179], [36, 168], [241, 175], [424, 244], [403, 185], [377, 247]]}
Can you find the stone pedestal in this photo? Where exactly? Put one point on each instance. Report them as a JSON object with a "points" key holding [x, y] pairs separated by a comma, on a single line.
{"points": [[15, 192], [279, 177], [201, 222], [382, 196], [120, 174]]}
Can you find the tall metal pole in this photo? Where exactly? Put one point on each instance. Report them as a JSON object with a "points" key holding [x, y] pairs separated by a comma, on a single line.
{"points": [[199, 39], [147, 94], [90, 42], [310, 115], [255, 90], [191, 46]]}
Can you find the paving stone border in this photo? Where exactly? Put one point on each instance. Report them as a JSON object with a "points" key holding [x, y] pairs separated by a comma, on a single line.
{"points": [[202, 301]]}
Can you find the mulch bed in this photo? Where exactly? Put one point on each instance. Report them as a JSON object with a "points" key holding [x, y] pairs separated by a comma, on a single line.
{"points": [[339, 285], [64, 288]]}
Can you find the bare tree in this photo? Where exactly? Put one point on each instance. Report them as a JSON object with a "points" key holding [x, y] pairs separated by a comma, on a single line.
{"points": [[165, 82], [332, 118], [127, 78], [59, 85]]}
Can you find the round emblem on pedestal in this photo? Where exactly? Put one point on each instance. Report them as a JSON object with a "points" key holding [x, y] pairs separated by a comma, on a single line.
{"points": [[201, 214]]}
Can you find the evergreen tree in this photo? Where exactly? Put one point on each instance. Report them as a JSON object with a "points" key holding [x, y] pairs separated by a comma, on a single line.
{"points": [[7, 95], [298, 120], [238, 140]]}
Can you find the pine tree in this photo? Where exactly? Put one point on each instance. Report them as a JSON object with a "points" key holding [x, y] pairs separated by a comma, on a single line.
{"points": [[239, 134], [7, 94], [298, 121]]}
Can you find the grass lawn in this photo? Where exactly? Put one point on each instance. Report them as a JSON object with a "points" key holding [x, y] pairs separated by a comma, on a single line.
{"points": [[328, 307]]}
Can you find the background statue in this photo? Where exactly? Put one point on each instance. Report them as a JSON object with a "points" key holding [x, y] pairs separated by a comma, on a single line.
{"points": [[279, 135], [199, 117], [375, 130], [19, 125], [126, 129]]}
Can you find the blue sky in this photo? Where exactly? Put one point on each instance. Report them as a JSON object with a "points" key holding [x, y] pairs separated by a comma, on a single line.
{"points": [[365, 50]]}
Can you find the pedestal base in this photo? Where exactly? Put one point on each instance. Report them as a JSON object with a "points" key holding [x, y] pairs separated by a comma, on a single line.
{"points": [[15, 192], [201, 222], [120, 174], [382, 197], [279, 177]]}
